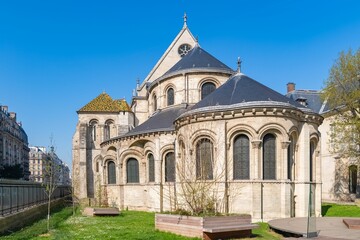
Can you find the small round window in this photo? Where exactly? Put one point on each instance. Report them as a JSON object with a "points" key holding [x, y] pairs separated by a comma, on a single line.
{"points": [[184, 49]]}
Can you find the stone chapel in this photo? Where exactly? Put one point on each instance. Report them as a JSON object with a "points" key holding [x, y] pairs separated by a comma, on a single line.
{"points": [[194, 121]]}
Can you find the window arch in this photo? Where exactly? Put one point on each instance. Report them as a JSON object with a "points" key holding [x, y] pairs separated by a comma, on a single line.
{"points": [[269, 157], [92, 126], [241, 157], [107, 129], [151, 163], [111, 172], [154, 103], [207, 88], [353, 178], [204, 159], [170, 167], [132, 170], [170, 96]]}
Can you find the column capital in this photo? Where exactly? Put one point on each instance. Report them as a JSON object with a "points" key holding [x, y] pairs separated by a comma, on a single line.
{"points": [[256, 143], [285, 144]]}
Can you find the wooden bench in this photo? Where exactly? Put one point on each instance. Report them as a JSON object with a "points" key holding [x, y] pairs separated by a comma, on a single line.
{"points": [[101, 211], [352, 223], [218, 229]]}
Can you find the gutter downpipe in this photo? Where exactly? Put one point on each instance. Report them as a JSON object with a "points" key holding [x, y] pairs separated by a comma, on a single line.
{"points": [[226, 192]]}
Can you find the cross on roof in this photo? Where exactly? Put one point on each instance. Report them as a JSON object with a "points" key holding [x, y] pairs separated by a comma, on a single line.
{"points": [[185, 19]]}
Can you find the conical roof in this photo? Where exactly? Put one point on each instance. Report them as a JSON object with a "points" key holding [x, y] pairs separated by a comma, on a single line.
{"points": [[240, 91], [161, 121], [198, 58], [104, 103]]}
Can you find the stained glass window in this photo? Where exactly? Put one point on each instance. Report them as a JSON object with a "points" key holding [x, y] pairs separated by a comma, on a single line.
{"points": [[207, 88], [204, 159], [111, 173], [132, 170], [269, 157], [170, 96], [170, 167], [241, 155], [151, 168]]}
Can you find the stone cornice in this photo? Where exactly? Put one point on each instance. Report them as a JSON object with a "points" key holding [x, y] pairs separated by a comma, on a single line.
{"points": [[249, 111], [135, 137]]}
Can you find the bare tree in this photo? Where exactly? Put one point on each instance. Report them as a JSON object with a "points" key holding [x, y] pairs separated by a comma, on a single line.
{"points": [[51, 173]]}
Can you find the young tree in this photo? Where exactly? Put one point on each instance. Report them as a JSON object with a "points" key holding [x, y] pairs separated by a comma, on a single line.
{"points": [[342, 94], [51, 173]]}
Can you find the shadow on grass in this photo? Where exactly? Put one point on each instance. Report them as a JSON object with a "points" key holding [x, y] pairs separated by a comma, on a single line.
{"points": [[325, 209]]}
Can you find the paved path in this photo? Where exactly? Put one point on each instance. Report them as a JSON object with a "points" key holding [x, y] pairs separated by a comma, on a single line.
{"points": [[329, 227]]}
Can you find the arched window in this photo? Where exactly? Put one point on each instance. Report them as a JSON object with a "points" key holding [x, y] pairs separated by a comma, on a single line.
{"points": [[92, 127], [311, 161], [353, 178], [111, 172], [151, 163], [207, 88], [154, 103], [170, 167], [204, 159], [269, 157], [107, 130], [132, 170], [241, 156], [170, 96], [290, 159]]}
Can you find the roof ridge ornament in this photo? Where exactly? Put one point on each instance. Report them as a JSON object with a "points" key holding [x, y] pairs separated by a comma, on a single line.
{"points": [[239, 65], [185, 20]]}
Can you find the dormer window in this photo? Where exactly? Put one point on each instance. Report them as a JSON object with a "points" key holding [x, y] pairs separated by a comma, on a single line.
{"points": [[302, 101]]}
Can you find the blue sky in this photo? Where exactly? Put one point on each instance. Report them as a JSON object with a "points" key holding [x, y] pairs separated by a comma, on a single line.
{"points": [[56, 56]]}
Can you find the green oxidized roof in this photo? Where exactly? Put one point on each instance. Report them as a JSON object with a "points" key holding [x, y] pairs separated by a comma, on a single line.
{"points": [[104, 103]]}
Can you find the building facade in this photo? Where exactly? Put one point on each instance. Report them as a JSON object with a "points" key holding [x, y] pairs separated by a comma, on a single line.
{"points": [[198, 129], [340, 178], [14, 150], [39, 165]]}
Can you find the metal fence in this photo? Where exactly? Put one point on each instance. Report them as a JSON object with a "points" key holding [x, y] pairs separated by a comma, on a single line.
{"points": [[18, 195]]}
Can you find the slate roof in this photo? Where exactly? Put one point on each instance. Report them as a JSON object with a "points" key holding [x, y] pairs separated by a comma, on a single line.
{"points": [[312, 99], [241, 91], [198, 58], [162, 120], [104, 103]]}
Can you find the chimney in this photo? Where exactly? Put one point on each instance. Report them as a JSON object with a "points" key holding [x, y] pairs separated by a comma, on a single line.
{"points": [[13, 116], [290, 87]]}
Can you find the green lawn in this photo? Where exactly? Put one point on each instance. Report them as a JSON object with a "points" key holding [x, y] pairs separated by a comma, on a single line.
{"points": [[336, 210], [134, 225], [129, 225]]}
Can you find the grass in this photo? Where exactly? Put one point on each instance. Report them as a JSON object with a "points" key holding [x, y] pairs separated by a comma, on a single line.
{"points": [[135, 225], [336, 210], [129, 225], [40, 227]]}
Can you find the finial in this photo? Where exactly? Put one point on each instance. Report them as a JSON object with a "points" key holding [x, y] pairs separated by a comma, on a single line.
{"points": [[239, 65], [185, 19], [137, 83]]}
